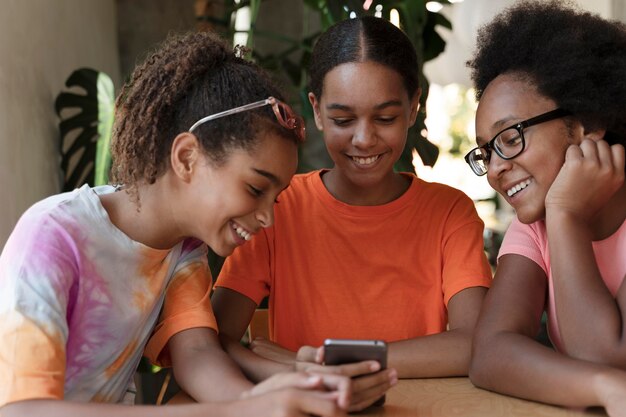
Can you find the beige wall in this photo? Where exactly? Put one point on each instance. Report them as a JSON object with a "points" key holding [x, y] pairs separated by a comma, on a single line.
{"points": [[41, 43]]}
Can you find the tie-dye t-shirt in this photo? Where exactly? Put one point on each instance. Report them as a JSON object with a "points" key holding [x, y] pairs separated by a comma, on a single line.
{"points": [[79, 301]]}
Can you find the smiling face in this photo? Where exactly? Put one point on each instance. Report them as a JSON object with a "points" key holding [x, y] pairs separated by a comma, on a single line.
{"points": [[365, 113], [225, 204], [525, 180]]}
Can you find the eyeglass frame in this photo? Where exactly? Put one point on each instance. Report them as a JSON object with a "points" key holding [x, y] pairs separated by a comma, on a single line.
{"points": [[519, 126], [294, 121]]}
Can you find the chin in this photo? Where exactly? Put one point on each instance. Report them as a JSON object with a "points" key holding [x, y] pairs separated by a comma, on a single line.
{"points": [[527, 217], [223, 251]]}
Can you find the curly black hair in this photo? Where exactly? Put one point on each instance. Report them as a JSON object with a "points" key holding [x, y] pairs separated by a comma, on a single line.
{"points": [[190, 76], [575, 58], [364, 39]]}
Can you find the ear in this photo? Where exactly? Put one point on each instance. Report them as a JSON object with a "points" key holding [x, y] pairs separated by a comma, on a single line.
{"points": [[316, 111], [583, 133], [185, 155], [415, 106]]}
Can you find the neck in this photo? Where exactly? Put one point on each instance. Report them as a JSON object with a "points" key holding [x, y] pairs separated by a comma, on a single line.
{"points": [[609, 219], [346, 191], [152, 223]]}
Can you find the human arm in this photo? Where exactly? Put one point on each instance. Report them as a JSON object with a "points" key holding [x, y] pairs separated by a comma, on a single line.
{"points": [[199, 361], [507, 359], [438, 355], [442, 354], [585, 203], [291, 402], [233, 312]]}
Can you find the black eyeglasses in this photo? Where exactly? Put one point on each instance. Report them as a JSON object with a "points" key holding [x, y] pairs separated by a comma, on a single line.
{"points": [[508, 143]]}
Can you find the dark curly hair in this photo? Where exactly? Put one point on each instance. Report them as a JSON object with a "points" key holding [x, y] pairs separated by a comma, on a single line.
{"points": [[573, 57], [188, 77], [364, 39]]}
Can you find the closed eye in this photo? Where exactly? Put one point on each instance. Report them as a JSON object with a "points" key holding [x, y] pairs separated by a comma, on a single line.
{"points": [[256, 192], [387, 120], [341, 121]]}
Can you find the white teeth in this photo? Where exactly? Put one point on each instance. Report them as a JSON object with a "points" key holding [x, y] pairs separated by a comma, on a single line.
{"points": [[365, 161], [518, 187], [241, 232]]}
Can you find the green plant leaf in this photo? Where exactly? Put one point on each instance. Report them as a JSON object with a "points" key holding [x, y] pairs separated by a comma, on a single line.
{"points": [[91, 120], [106, 111]]}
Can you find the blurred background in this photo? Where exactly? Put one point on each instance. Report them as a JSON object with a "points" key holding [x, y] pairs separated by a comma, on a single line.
{"points": [[42, 42]]}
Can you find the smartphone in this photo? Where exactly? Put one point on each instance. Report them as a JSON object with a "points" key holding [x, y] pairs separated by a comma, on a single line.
{"points": [[340, 351]]}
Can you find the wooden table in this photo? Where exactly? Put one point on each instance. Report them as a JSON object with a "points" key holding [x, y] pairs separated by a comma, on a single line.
{"points": [[457, 397]]}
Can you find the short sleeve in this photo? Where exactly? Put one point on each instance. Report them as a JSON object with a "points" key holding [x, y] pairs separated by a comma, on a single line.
{"points": [[187, 302], [465, 264], [526, 240], [36, 274], [248, 269]]}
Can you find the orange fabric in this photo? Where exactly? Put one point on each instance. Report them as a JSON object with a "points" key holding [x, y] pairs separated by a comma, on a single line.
{"points": [[35, 367], [187, 305], [381, 272]]}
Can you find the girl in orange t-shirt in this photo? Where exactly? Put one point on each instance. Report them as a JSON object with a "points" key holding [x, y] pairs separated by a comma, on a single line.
{"points": [[361, 251]]}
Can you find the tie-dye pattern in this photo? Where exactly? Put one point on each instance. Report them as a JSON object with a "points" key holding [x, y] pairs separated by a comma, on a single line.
{"points": [[79, 300]]}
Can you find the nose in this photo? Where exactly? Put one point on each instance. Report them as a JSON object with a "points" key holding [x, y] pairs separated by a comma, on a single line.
{"points": [[265, 215], [497, 166], [364, 135]]}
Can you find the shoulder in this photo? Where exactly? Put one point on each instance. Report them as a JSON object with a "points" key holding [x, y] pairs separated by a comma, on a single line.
{"points": [[443, 200], [302, 187]]}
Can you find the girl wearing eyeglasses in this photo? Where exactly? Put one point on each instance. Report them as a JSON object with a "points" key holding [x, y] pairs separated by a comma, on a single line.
{"points": [[92, 278], [360, 251], [550, 134]]}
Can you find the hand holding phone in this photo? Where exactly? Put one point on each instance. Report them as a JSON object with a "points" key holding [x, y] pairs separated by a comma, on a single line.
{"points": [[342, 351]]}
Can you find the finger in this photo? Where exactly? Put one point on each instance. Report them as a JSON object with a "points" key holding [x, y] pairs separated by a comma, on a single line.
{"points": [[589, 149], [319, 355], [342, 385], [306, 354], [618, 156], [292, 379], [604, 154], [368, 389], [319, 404], [366, 382], [573, 153], [354, 369]]}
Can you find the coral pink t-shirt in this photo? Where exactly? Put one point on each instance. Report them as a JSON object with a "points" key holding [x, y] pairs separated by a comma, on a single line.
{"points": [[531, 241]]}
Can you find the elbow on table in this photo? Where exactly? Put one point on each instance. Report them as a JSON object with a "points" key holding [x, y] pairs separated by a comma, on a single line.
{"points": [[479, 371], [611, 356]]}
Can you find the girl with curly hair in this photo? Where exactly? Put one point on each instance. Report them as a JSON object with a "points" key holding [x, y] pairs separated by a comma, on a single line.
{"points": [[551, 129], [92, 278]]}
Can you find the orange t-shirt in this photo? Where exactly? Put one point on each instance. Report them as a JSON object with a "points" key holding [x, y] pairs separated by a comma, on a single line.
{"points": [[333, 270]]}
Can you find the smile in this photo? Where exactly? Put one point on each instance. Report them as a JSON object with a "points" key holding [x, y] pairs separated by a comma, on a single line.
{"points": [[241, 232], [517, 188], [365, 161]]}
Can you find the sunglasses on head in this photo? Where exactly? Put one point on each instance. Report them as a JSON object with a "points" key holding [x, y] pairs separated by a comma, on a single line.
{"points": [[284, 114]]}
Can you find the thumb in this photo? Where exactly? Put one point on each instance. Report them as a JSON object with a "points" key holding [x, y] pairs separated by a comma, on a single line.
{"points": [[307, 354]]}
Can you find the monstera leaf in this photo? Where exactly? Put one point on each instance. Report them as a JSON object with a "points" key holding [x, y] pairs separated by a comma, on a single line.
{"points": [[86, 126]]}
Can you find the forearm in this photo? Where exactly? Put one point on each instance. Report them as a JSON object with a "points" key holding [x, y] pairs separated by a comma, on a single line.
{"points": [[439, 355], [210, 375], [597, 316], [255, 367], [516, 365], [58, 408]]}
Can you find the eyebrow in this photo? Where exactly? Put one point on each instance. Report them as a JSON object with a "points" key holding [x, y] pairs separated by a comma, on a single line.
{"points": [[273, 178], [500, 124], [390, 103]]}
